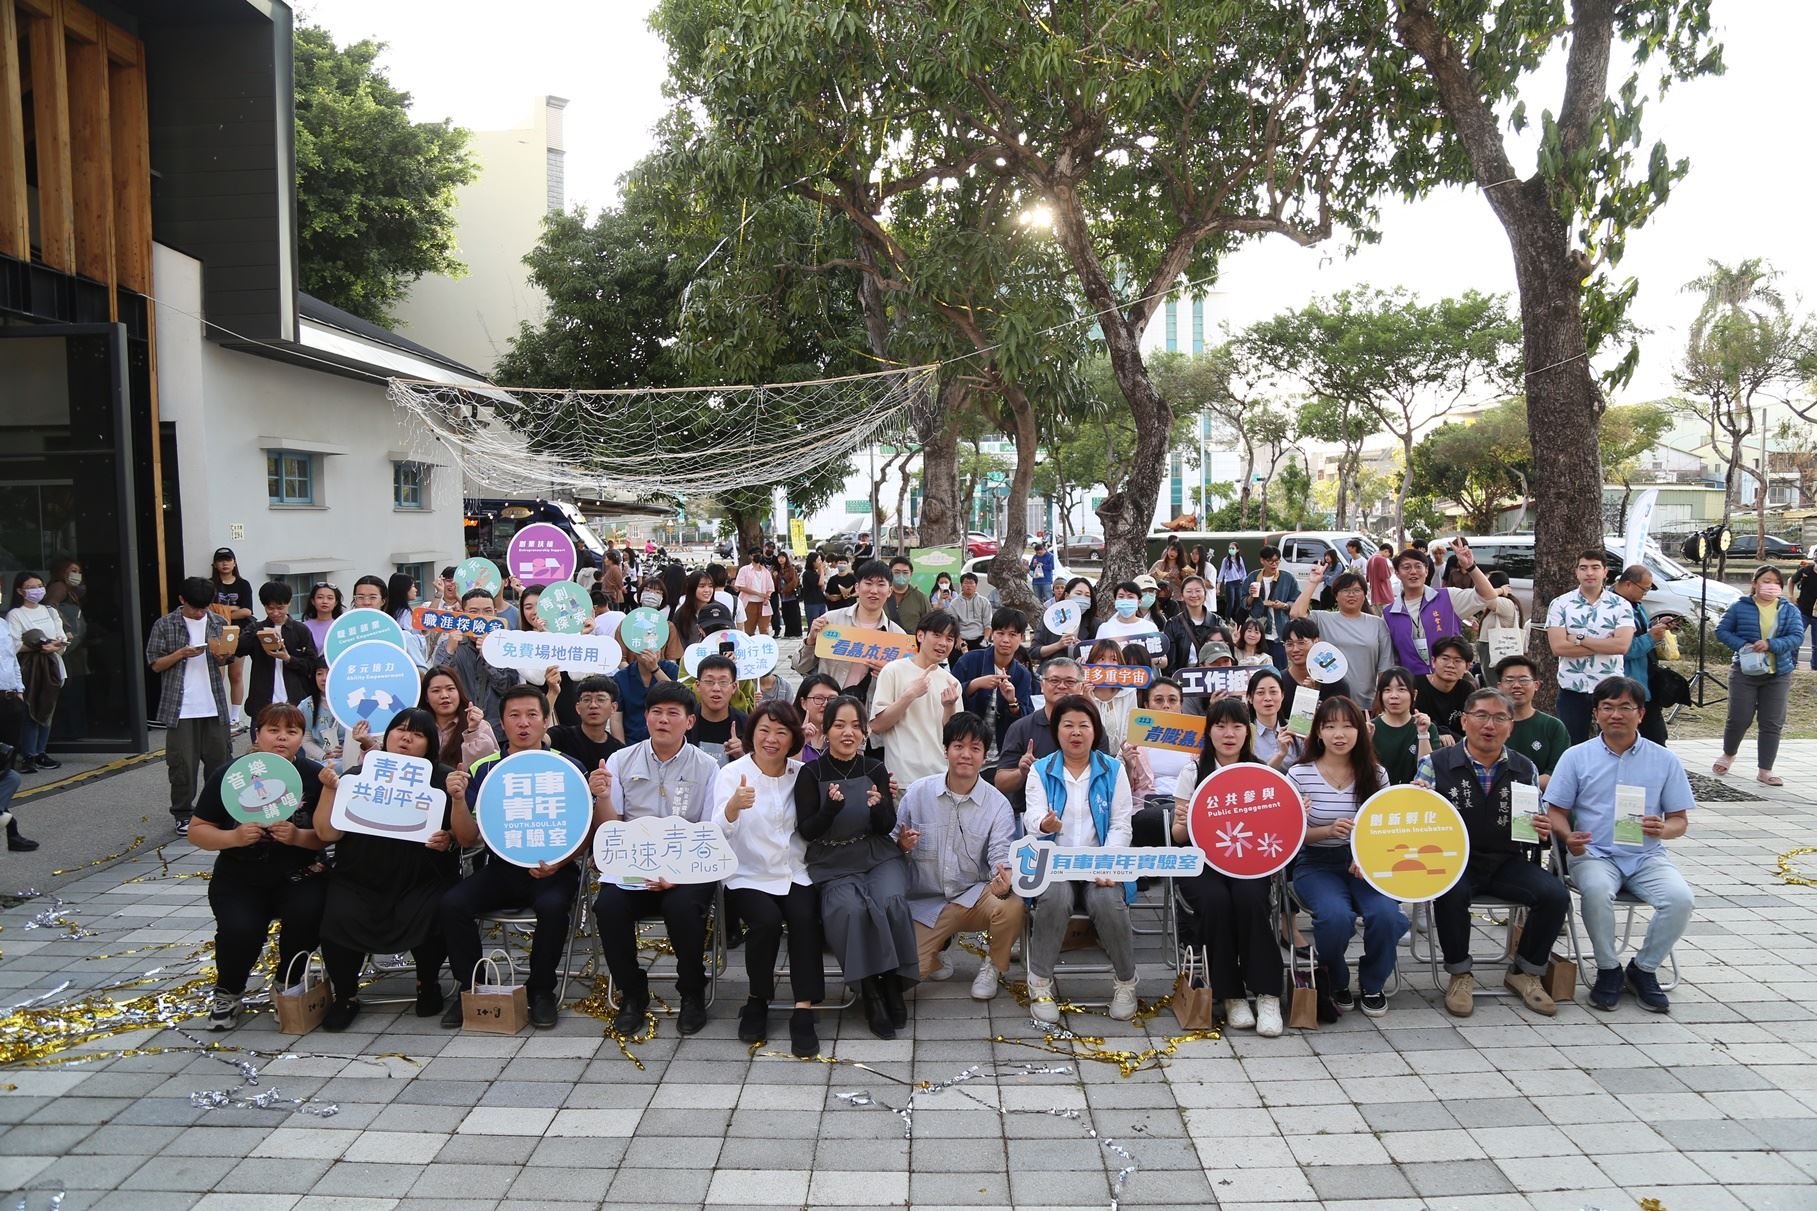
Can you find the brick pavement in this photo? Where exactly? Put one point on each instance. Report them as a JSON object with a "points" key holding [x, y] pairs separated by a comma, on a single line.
{"points": [[1714, 1107]]}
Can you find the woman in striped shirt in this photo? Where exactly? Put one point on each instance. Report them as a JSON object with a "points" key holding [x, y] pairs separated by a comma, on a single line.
{"points": [[1336, 777]]}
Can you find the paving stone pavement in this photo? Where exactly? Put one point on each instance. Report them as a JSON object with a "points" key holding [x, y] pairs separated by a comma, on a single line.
{"points": [[1713, 1107]]}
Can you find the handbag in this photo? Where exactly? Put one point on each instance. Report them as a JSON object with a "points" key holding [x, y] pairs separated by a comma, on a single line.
{"points": [[1754, 664], [1192, 999], [301, 1005], [498, 1006]]}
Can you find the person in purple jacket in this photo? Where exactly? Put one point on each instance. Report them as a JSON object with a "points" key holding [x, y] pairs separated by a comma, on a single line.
{"points": [[1422, 615]]}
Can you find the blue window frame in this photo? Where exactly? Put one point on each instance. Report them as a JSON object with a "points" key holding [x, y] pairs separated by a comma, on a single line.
{"points": [[290, 477]]}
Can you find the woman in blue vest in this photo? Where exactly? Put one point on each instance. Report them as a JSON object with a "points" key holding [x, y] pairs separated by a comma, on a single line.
{"points": [[1079, 797]]}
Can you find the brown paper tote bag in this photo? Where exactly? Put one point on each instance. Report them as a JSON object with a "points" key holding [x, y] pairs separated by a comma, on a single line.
{"points": [[495, 1005], [302, 1003], [1561, 979], [1192, 1000], [1303, 1014]]}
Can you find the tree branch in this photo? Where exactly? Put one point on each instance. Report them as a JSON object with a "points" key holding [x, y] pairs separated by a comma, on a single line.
{"points": [[1586, 71]]}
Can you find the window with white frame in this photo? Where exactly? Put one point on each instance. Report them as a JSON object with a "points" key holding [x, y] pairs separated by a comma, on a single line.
{"points": [[290, 477], [410, 485]]}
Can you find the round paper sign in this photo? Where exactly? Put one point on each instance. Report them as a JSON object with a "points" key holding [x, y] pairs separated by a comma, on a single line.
{"points": [[607, 624], [261, 788], [534, 807], [370, 683], [361, 626], [1063, 617], [1410, 843], [477, 572], [644, 630], [1325, 663], [565, 608], [1248, 820], [541, 554]]}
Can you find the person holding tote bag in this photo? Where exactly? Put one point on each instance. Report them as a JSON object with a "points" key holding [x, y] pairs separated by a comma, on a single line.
{"points": [[1765, 632]]}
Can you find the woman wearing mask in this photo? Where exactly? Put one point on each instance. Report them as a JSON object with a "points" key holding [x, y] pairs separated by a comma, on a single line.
{"points": [[1232, 575], [37, 635], [813, 590], [320, 609], [1764, 631], [462, 735], [841, 587], [944, 594], [1335, 778], [1131, 605], [1048, 644], [64, 594], [233, 602], [384, 895], [1233, 914]]}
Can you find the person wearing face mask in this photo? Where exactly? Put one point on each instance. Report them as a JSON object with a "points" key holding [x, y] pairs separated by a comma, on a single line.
{"points": [[1765, 632], [1232, 576], [1132, 603], [1049, 644], [841, 585], [907, 605], [813, 588], [64, 594], [37, 635]]}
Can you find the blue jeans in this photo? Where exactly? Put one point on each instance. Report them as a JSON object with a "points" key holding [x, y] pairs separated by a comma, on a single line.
{"points": [[9, 783], [812, 610], [1044, 591], [33, 737], [1337, 898], [1658, 883]]}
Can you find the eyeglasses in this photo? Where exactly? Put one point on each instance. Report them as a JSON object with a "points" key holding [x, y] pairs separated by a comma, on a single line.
{"points": [[1486, 717], [1619, 708], [820, 699], [594, 700], [1516, 681], [717, 683], [1062, 683]]}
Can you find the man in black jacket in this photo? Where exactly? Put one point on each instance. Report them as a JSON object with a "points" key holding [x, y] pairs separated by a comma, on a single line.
{"points": [[279, 642], [1804, 584], [1480, 777]]}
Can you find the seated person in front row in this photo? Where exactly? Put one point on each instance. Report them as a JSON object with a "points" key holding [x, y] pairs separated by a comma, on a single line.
{"points": [[1478, 776], [548, 890], [661, 776], [262, 873], [1079, 797], [956, 829], [1582, 798]]}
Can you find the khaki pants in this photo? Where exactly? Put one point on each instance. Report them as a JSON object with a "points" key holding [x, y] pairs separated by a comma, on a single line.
{"points": [[1002, 918]]}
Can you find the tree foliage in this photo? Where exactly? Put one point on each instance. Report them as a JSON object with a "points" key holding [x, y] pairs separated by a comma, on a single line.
{"points": [[375, 190]]}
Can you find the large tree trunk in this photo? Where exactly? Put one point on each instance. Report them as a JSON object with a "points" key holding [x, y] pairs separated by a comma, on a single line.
{"points": [[941, 523], [1400, 495], [1009, 570], [749, 528]]}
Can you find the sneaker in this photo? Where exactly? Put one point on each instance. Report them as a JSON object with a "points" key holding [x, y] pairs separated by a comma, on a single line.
{"points": [[238, 728], [1343, 998], [44, 761], [1123, 1000], [1460, 995], [543, 1010], [1532, 993], [1041, 1001], [984, 984], [1268, 1022], [452, 1017], [1647, 991], [754, 1021], [1238, 1015], [944, 970], [693, 1016], [1374, 1005], [632, 1010], [804, 1039], [182, 826], [1606, 992], [340, 1015], [223, 1009], [429, 999]]}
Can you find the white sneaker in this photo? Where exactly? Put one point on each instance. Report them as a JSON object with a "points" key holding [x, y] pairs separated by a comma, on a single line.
{"points": [[944, 971], [1123, 1000], [1015, 949], [1268, 1022], [1041, 1001], [223, 1009], [1237, 1014], [984, 985]]}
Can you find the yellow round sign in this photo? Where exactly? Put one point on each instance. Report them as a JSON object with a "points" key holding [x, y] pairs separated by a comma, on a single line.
{"points": [[1410, 843]]}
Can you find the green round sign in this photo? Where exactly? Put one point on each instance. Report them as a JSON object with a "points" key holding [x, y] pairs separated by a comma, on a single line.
{"points": [[565, 608], [261, 788]]}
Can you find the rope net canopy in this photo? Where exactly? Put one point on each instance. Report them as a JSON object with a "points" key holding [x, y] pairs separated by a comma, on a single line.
{"points": [[646, 440]]}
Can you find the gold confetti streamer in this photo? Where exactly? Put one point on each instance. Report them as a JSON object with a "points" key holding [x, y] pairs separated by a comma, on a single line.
{"points": [[136, 843], [1789, 874]]}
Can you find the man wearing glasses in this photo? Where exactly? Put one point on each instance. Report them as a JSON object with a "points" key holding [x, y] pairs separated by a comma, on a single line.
{"points": [[1479, 777], [1537, 736], [1615, 800], [1032, 737]]}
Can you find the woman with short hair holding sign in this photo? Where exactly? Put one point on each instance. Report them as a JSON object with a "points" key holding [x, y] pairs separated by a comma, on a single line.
{"points": [[263, 872], [384, 893]]}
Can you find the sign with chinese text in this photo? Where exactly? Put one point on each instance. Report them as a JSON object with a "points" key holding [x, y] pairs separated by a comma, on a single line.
{"points": [[841, 642], [1038, 863], [478, 572], [644, 630], [370, 683], [531, 653], [1247, 819], [435, 618], [798, 537], [1203, 681], [533, 808], [565, 608], [391, 797], [1410, 843], [540, 554], [1167, 729], [755, 655], [1123, 676], [662, 847], [360, 626], [261, 788]]}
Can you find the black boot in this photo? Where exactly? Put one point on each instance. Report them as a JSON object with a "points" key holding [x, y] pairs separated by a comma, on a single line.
{"points": [[804, 1039], [875, 1013], [17, 841], [890, 985]]}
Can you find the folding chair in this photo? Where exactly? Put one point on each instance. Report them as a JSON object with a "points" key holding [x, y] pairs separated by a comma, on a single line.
{"points": [[834, 971], [1292, 903], [1074, 967], [1425, 926], [522, 923], [1586, 960], [715, 956]]}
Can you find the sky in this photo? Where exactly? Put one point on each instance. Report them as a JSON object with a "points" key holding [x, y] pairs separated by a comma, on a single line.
{"points": [[1750, 181]]}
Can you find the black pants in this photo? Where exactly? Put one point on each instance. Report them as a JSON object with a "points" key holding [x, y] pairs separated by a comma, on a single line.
{"points": [[683, 909], [1510, 877], [1574, 712], [496, 885], [791, 618], [764, 917], [1238, 928], [344, 963], [1152, 823], [1653, 723], [247, 896]]}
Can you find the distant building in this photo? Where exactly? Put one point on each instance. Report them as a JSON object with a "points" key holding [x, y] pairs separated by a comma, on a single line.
{"points": [[498, 220]]}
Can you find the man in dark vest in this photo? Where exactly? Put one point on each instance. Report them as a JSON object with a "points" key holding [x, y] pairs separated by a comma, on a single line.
{"points": [[1479, 777]]}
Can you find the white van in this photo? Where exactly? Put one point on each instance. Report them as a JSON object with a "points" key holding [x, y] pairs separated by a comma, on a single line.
{"points": [[1675, 589]]}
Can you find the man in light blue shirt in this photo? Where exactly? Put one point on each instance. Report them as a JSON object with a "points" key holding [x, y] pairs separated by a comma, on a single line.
{"points": [[1596, 792]]}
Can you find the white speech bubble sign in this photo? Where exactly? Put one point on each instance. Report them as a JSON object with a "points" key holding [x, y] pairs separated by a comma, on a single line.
{"points": [[532, 652], [662, 847]]}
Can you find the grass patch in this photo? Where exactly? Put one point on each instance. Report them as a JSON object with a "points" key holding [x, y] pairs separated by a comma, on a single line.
{"points": [[1695, 724]]}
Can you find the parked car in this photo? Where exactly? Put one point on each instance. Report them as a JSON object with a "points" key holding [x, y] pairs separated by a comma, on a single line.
{"points": [[978, 543], [1675, 589], [1746, 545], [1088, 547]]}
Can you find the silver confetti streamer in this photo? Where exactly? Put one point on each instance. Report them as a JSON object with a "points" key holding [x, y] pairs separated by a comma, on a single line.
{"points": [[56, 1199]]}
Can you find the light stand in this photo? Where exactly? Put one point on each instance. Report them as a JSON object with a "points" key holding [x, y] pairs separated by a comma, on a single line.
{"points": [[1701, 546]]}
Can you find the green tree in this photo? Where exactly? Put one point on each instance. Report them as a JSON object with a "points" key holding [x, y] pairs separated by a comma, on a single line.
{"points": [[1347, 426], [1625, 433], [1480, 465], [375, 190], [1386, 355]]}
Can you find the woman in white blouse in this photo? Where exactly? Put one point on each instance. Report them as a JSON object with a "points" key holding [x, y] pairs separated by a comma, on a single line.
{"points": [[1078, 797], [754, 802]]}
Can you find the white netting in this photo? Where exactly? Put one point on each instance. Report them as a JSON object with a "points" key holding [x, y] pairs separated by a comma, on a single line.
{"points": [[683, 440]]}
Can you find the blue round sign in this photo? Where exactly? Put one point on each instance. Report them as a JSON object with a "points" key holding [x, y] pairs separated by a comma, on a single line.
{"points": [[370, 683], [534, 807], [361, 626]]}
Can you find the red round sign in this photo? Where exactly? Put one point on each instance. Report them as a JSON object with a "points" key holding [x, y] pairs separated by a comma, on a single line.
{"points": [[1248, 820]]}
